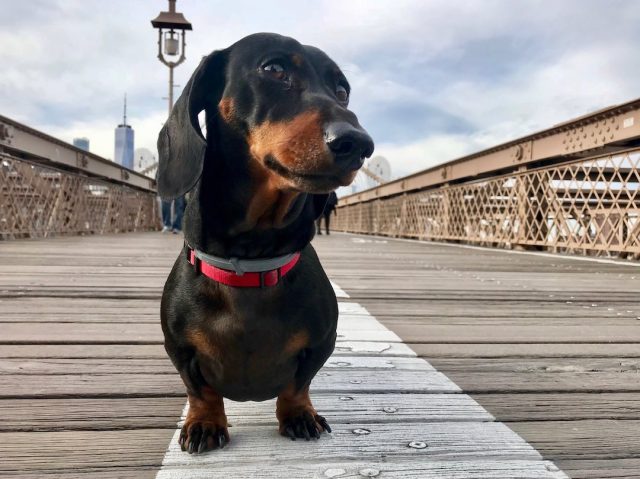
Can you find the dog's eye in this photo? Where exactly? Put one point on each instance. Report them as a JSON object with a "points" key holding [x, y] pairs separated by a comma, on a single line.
{"points": [[276, 70], [342, 94]]}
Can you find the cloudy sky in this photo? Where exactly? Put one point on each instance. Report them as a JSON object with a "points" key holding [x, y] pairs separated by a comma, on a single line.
{"points": [[432, 80]]}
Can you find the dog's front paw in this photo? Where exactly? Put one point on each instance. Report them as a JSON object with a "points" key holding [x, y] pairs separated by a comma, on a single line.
{"points": [[304, 425], [201, 436]]}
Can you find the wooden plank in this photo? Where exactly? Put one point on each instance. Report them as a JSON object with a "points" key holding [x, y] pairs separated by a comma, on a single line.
{"points": [[82, 450], [153, 413], [625, 468], [551, 306], [81, 351], [543, 365], [92, 366], [156, 350], [519, 350], [142, 333], [84, 278], [356, 468], [602, 439], [453, 441], [552, 374], [77, 306], [370, 347], [562, 406], [137, 292], [93, 414], [77, 310], [78, 450], [502, 382], [119, 472], [361, 408], [100, 333], [518, 334], [153, 385]]}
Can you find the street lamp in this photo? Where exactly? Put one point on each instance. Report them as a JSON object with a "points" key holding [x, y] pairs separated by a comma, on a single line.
{"points": [[171, 27]]}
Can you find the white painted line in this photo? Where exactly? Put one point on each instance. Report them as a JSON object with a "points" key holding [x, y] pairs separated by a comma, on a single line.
{"points": [[357, 237], [449, 436], [339, 292]]}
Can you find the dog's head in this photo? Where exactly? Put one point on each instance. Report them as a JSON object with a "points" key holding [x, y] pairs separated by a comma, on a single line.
{"points": [[287, 102]]}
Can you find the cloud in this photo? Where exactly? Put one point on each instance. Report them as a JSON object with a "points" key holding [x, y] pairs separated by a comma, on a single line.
{"points": [[432, 80], [406, 158], [101, 133]]}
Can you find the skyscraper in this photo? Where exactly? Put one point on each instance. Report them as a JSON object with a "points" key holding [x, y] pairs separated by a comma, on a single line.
{"points": [[124, 141], [82, 143]]}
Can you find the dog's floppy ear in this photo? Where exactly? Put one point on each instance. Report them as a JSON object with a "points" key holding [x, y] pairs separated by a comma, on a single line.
{"points": [[181, 145]]}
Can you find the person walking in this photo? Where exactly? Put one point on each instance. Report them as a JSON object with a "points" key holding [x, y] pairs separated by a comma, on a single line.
{"points": [[329, 207], [174, 226]]}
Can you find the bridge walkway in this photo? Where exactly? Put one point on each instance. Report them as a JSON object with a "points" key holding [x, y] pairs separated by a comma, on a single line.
{"points": [[451, 362]]}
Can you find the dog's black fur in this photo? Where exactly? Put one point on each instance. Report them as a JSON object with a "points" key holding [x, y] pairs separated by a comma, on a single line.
{"points": [[279, 138]]}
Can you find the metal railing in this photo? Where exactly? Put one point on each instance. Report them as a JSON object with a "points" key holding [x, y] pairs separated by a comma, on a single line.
{"points": [[561, 203], [50, 188]]}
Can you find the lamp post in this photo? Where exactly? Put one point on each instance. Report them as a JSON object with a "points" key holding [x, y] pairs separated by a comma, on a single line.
{"points": [[171, 27]]}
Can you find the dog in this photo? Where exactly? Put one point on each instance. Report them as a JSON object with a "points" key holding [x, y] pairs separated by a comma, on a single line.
{"points": [[247, 311]]}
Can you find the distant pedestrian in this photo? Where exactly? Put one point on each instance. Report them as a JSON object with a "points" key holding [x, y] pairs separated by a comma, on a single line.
{"points": [[178, 211], [329, 208]]}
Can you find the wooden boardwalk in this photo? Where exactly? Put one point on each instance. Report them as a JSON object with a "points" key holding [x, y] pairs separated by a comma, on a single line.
{"points": [[548, 346]]}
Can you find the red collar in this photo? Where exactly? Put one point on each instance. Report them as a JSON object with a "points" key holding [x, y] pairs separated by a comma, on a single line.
{"points": [[255, 279]]}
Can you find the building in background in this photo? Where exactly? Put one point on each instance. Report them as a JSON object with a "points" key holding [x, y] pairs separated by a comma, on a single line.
{"points": [[145, 162], [124, 141], [374, 172], [82, 143]]}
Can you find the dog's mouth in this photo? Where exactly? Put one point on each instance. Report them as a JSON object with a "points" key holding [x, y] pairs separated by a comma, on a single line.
{"points": [[311, 182]]}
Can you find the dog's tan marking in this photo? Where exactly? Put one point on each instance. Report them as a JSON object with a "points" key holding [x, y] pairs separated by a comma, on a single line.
{"points": [[296, 59], [292, 403], [298, 144], [227, 109], [270, 200], [209, 406], [202, 343], [298, 341], [206, 411]]}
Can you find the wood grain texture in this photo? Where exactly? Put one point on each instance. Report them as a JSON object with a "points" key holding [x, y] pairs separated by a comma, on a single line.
{"points": [[358, 468], [88, 366], [162, 412], [544, 342], [535, 339], [452, 441], [133, 333], [170, 384]]}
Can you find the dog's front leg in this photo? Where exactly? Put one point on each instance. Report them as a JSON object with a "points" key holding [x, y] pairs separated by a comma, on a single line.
{"points": [[205, 427], [297, 416]]}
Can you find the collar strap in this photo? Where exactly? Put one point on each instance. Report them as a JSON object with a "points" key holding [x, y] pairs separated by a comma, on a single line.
{"points": [[242, 273]]}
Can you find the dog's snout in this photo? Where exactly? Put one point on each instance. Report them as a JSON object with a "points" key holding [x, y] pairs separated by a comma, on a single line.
{"points": [[349, 145]]}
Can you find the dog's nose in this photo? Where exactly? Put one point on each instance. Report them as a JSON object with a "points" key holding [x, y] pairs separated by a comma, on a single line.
{"points": [[349, 145]]}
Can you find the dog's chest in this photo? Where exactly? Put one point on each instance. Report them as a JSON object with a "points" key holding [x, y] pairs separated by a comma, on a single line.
{"points": [[250, 361]]}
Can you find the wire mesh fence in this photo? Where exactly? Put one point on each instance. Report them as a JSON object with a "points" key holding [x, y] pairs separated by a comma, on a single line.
{"points": [[38, 201], [589, 206]]}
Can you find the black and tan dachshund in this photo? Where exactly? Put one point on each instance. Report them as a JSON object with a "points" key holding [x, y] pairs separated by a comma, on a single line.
{"points": [[247, 311]]}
